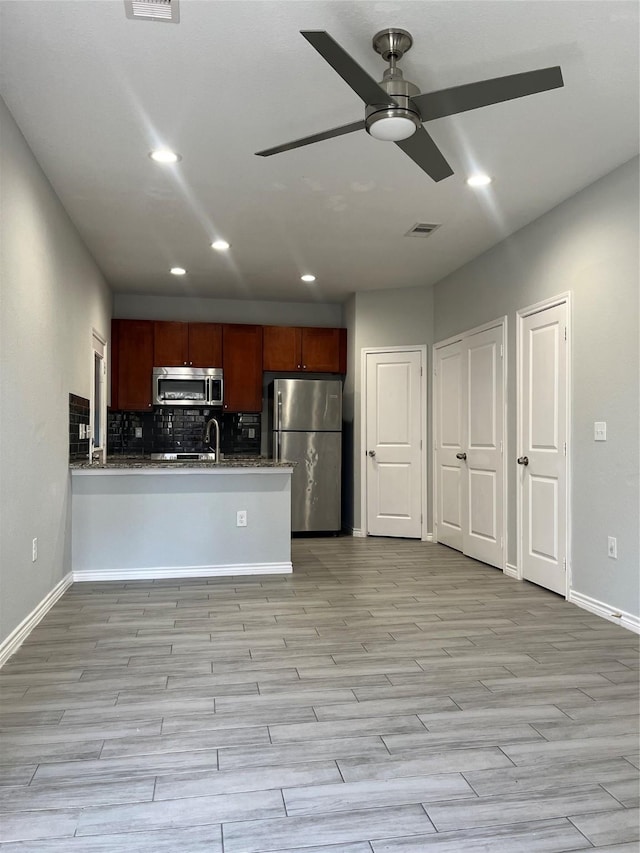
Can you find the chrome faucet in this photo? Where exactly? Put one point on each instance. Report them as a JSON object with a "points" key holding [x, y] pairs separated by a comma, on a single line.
{"points": [[207, 437]]}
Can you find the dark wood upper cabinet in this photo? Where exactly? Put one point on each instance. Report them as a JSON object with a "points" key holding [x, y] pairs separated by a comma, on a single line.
{"points": [[244, 351], [131, 364], [282, 348], [205, 344], [314, 350], [170, 344], [242, 362], [324, 350], [187, 344]]}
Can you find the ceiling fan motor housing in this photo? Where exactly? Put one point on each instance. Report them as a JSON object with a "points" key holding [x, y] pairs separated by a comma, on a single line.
{"points": [[401, 91]]}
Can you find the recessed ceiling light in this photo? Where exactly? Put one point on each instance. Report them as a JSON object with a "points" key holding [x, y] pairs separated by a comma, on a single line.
{"points": [[308, 277], [220, 245], [163, 155], [478, 180], [178, 271]]}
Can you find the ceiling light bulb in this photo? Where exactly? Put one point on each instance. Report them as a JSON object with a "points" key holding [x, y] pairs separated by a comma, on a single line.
{"points": [[220, 245], [479, 180], [308, 277], [163, 155], [178, 271]]}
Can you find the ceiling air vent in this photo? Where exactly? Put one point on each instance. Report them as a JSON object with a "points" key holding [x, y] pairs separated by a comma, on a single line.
{"points": [[421, 229], [153, 10]]}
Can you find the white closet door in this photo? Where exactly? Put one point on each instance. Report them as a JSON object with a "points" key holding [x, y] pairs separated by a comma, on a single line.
{"points": [[483, 493], [449, 386], [543, 468], [469, 444], [393, 444]]}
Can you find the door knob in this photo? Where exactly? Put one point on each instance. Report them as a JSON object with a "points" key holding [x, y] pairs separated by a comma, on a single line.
{"points": [[462, 456], [523, 460], [372, 453]]}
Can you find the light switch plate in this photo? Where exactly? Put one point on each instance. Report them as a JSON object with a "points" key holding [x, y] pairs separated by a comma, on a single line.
{"points": [[600, 431]]}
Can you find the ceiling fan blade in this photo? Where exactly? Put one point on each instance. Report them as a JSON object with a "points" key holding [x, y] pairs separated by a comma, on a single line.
{"points": [[470, 96], [423, 151], [316, 137], [353, 74]]}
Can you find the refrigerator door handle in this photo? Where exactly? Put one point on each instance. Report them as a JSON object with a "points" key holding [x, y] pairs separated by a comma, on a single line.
{"points": [[278, 448]]}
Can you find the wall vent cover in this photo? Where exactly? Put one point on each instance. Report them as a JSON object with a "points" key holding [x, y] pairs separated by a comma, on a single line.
{"points": [[422, 229], [153, 10]]}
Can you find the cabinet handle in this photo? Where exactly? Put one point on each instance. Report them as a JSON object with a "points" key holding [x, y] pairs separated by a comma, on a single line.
{"points": [[304, 366], [299, 366]]}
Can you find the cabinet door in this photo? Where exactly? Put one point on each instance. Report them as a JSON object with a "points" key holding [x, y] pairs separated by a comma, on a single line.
{"points": [[132, 365], [322, 350], [205, 344], [282, 348], [170, 344], [242, 361]]}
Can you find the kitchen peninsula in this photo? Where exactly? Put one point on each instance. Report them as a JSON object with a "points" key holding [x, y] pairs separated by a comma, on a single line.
{"points": [[135, 518]]}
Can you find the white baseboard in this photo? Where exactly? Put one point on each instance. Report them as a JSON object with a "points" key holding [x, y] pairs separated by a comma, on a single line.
{"points": [[157, 573], [359, 534], [17, 637], [600, 608], [428, 537], [511, 571]]}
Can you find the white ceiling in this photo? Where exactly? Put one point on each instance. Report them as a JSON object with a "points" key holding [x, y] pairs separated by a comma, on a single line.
{"points": [[94, 92]]}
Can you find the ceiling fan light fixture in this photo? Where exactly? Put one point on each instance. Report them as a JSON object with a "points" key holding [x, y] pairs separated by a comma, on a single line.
{"points": [[392, 125]]}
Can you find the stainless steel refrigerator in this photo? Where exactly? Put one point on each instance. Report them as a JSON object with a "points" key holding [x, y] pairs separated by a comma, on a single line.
{"points": [[305, 424]]}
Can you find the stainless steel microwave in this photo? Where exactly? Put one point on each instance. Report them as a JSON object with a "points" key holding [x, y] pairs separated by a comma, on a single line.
{"points": [[187, 386]]}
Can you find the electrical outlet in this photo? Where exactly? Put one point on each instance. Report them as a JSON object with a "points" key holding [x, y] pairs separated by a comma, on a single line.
{"points": [[138, 432], [612, 547], [241, 518], [34, 550]]}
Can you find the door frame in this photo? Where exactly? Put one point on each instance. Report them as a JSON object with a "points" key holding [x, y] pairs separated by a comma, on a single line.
{"points": [[521, 315], [364, 352], [500, 322], [99, 348]]}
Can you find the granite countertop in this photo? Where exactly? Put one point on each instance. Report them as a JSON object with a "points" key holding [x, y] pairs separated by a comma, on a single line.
{"points": [[113, 463]]}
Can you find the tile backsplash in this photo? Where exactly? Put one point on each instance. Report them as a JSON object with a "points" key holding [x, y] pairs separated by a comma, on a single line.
{"points": [[180, 429], [79, 417]]}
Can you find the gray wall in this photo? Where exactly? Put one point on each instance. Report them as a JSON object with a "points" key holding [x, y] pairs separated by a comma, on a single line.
{"points": [[402, 317], [52, 295], [121, 518], [588, 245], [192, 308]]}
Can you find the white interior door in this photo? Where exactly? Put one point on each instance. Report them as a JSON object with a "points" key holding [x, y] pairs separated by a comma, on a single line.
{"points": [[393, 450], [449, 384], [469, 442], [543, 436], [482, 536]]}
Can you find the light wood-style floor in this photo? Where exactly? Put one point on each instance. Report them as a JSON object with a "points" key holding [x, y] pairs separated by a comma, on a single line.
{"points": [[390, 696]]}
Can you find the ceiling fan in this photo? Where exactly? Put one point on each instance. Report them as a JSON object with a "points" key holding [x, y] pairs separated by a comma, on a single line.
{"points": [[395, 109]]}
